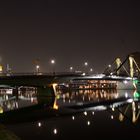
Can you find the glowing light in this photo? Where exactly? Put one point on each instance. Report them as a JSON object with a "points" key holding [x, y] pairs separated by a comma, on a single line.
{"points": [[55, 106], [1, 68], [125, 82], [55, 131], [39, 124], [9, 91], [111, 73], [126, 95], [112, 117], [37, 66], [54, 87], [121, 117], [52, 61], [57, 96], [93, 113], [101, 107], [113, 109], [83, 98], [86, 63], [97, 76], [91, 70], [136, 95], [73, 118], [85, 113], [88, 123], [109, 66], [71, 68], [130, 100], [1, 110], [135, 81], [84, 74]]}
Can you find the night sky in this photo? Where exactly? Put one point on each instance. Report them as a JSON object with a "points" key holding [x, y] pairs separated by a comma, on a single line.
{"points": [[69, 31]]}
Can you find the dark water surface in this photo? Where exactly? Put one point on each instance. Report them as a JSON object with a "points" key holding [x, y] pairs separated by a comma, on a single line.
{"points": [[82, 114]]}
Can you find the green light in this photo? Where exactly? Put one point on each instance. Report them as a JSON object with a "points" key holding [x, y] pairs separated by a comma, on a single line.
{"points": [[136, 95], [135, 81]]}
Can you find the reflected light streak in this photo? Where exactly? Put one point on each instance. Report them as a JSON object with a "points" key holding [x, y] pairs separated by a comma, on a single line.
{"points": [[73, 118], [135, 113], [126, 95], [88, 123], [39, 124], [55, 131], [113, 109], [1, 110], [121, 117], [85, 113], [55, 106]]}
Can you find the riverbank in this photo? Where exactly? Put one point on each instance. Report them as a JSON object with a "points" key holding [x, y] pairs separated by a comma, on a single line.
{"points": [[6, 134]]}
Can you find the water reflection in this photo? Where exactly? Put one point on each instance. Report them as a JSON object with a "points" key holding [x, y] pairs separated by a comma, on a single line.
{"points": [[121, 105], [83, 96], [88, 123], [25, 105], [55, 131], [133, 109]]}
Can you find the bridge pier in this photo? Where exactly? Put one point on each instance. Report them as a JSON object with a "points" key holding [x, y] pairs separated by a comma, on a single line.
{"points": [[46, 95], [46, 91]]}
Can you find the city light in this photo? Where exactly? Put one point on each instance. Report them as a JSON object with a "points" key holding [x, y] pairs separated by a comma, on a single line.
{"points": [[91, 70], [85, 113], [39, 124], [93, 113], [86, 63], [1, 110], [112, 117], [73, 118], [52, 61], [55, 131], [1, 68], [37, 68], [71, 69], [53, 65], [88, 123]]}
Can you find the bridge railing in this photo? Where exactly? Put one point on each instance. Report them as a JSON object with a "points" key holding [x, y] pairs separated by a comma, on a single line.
{"points": [[39, 73]]}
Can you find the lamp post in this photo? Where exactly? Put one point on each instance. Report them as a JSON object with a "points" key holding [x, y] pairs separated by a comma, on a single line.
{"points": [[71, 69], [37, 69], [53, 63], [86, 64], [91, 70]]}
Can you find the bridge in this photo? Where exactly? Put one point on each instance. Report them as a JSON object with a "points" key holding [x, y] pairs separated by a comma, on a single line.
{"points": [[43, 83], [129, 67], [115, 76]]}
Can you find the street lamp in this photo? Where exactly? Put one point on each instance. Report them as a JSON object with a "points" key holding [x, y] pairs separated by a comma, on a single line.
{"points": [[109, 66], [91, 70], [86, 64], [71, 69], [53, 63], [37, 69]]}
